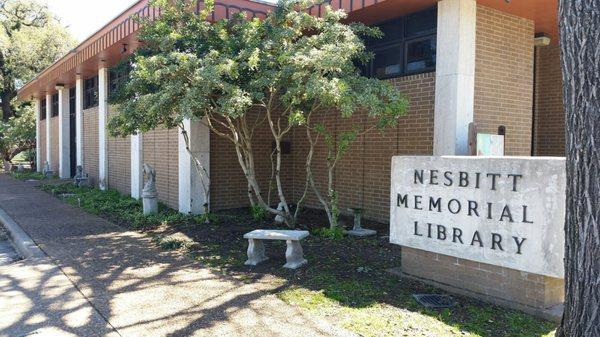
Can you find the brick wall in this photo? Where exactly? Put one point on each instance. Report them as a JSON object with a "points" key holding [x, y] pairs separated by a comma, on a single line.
{"points": [[503, 96], [90, 144], [488, 281], [54, 145], [42, 142], [229, 188], [362, 177], [161, 150], [119, 161], [549, 110], [504, 77]]}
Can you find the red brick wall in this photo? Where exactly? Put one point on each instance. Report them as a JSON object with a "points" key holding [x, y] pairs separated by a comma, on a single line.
{"points": [[549, 111], [90, 144], [119, 161], [161, 150], [486, 281], [229, 188], [54, 145], [362, 177], [504, 77]]}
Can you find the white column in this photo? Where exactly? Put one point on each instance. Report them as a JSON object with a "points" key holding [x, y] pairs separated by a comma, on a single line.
{"points": [[79, 119], [455, 76], [64, 134], [192, 185], [102, 119], [137, 180], [49, 130], [38, 131]]}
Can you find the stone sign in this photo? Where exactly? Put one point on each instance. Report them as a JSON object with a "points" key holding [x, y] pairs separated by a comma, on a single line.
{"points": [[503, 211]]}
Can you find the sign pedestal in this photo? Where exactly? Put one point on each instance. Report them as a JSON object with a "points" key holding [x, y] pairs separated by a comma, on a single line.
{"points": [[486, 227]]}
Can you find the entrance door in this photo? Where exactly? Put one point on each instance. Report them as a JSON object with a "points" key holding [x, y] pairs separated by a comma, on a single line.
{"points": [[73, 132]]}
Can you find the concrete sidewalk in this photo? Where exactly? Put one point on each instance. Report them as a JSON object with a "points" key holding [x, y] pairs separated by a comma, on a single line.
{"points": [[133, 288]]}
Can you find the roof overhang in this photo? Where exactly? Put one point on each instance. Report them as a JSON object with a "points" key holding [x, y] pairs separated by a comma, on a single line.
{"points": [[118, 38]]}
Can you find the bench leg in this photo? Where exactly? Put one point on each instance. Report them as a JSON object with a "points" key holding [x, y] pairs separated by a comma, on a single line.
{"points": [[256, 252], [294, 255]]}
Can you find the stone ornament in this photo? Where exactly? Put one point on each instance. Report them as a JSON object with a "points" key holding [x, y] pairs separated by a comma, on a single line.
{"points": [[358, 230], [149, 193], [81, 179], [278, 218], [47, 170], [294, 254]]}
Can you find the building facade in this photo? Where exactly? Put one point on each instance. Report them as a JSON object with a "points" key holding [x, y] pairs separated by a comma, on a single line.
{"points": [[492, 63]]}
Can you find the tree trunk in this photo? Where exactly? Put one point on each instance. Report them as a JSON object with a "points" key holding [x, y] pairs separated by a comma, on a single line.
{"points": [[580, 41]]}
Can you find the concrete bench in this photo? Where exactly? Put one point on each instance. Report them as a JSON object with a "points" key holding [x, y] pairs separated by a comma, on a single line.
{"points": [[294, 254]]}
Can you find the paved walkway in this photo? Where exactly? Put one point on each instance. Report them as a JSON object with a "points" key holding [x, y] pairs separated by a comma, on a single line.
{"points": [[125, 286]]}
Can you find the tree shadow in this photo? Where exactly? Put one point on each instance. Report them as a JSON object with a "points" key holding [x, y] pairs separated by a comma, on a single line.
{"points": [[134, 287]]}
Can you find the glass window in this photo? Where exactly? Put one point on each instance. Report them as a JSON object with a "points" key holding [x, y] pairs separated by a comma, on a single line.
{"points": [[408, 46], [421, 23], [54, 111], [43, 110], [90, 95], [117, 76], [420, 54], [388, 62]]}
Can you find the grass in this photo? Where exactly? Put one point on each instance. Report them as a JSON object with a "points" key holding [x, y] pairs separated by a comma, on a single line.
{"points": [[345, 281], [27, 175]]}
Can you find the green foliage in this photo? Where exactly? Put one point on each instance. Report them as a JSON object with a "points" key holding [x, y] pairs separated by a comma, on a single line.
{"points": [[121, 209], [18, 133], [30, 40], [335, 233], [27, 175], [258, 212]]}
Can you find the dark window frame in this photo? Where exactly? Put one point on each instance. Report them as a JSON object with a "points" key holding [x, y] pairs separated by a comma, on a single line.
{"points": [[91, 93], [402, 42], [43, 108], [54, 106], [115, 77]]}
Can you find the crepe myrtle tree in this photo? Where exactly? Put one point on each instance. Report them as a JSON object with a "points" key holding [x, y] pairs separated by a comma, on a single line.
{"points": [[238, 74]]}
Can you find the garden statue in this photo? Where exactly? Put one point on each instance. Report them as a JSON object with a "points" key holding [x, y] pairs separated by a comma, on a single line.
{"points": [[20, 168], [149, 193], [279, 219], [81, 179], [358, 230], [47, 170]]}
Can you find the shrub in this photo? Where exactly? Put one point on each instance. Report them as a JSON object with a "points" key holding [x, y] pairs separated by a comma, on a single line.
{"points": [[335, 233], [258, 213]]}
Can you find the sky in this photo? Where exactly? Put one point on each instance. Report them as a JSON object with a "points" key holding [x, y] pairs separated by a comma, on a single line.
{"points": [[85, 17]]}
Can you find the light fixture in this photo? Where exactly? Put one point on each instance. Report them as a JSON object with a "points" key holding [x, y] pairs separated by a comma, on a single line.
{"points": [[124, 48], [541, 40]]}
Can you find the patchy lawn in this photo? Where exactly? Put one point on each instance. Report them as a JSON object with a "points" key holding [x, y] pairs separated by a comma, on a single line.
{"points": [[27, 175], [345, 281]]}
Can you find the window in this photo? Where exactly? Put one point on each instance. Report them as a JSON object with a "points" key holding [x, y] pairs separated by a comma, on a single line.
{"points": [[43, 110], [54, 108], [116, 77], [90, 94], [408, 46], [72, 101]]}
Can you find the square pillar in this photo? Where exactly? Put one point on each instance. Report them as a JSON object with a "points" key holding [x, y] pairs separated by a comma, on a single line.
{"points": [[102, 121], [79, 119], [64, 134], [455, 76], [194, 187], [137, 176], [49, 130], [38, 131]]}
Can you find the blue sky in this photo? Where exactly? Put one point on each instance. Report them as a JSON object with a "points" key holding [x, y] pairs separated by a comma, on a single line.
{"points": [[84, 17]]}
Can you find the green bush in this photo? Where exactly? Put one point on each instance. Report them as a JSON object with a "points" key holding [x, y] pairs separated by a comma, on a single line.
{"points": [[118, 208], [335, 233], [258, 213]]}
